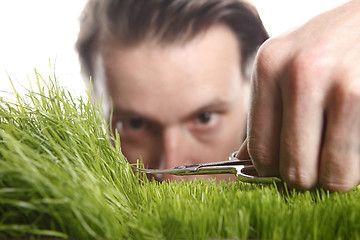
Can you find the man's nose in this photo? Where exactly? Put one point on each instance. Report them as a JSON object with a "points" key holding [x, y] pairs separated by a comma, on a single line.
{"points": [[175, 147]]}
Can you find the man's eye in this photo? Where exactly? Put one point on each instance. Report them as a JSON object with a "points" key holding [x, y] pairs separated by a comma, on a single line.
{"points": [[205, 118], [205, 122], [135, 124]]}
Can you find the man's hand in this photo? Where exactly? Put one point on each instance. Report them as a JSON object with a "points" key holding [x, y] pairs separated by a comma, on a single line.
{"points": [[304, 118]]}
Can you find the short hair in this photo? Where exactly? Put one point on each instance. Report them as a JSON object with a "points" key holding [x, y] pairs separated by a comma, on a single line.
{"points": [[166, 21]]}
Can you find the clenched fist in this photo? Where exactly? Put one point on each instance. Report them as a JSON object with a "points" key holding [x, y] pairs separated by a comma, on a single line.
{"points": [[304, 118]]}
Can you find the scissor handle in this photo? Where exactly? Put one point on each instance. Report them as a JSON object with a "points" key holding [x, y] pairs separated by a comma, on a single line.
{"points": [[249, 174]]}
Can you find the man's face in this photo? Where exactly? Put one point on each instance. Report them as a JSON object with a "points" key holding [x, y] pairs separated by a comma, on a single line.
{"points": [[177, 104]]}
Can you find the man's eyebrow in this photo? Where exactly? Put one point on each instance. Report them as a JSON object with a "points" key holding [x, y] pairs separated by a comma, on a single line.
{"points": [[218, 105], [125, 113]]}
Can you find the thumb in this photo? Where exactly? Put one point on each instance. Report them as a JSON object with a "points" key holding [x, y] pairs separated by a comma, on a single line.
{"points": [[243, 151]]}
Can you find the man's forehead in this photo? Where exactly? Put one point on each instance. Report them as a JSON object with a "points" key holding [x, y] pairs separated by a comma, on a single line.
{"points": [[218, 42], [195, 75]]}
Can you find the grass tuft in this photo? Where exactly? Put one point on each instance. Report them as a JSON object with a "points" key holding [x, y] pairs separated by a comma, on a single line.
{"points": [[60, 177]]}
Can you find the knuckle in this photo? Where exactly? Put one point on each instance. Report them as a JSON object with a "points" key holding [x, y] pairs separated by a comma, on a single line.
{"points": [[304, 69], [338, 184], [345, 101], [266, 57], [298, 178], [348, 90], [339, 171], [307, 69]]}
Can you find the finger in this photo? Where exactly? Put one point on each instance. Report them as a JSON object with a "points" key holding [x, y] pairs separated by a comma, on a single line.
{"points": [[264, 118], [243, 151], [340, 160], [301, 132]]}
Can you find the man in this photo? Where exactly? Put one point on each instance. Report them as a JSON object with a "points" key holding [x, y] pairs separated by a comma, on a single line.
{"points": [[304, 116], [177, 73]]}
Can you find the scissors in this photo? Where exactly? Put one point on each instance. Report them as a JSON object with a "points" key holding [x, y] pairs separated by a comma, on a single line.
{"points": [[243, 169]]}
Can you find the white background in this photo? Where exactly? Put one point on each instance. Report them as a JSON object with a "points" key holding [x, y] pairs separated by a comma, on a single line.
{"points": [[41, 33]]}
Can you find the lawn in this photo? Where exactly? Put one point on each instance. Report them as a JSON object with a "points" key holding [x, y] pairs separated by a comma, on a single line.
{"points": [[60, 177]]}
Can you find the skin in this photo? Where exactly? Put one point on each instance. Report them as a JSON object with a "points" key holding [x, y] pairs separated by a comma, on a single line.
{"points": [[176, 104], [306, 85]]}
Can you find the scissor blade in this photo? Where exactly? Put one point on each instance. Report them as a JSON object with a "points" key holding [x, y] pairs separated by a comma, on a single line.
{"points": [[195, 169], [199, 171], [166, 171]]}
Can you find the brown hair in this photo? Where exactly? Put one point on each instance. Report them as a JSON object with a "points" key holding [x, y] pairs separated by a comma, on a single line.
{"points": [[166, 21]]}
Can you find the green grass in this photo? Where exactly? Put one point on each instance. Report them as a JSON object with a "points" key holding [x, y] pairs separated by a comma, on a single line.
{"points": [[61, 177]]}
